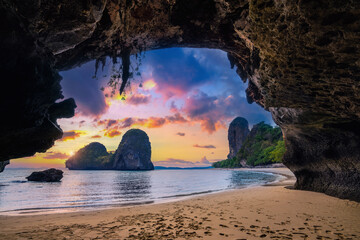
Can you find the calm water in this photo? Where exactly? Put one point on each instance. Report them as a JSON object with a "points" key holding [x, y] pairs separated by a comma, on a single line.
{"points": [[84, 190]]}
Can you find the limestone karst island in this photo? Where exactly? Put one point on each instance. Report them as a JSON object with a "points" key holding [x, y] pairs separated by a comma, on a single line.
{"points": [[180, 119], [133, 153]]}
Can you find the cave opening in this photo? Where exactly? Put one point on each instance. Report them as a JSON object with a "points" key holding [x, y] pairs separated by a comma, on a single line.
{"points": [[300, 59], [184, 98]]}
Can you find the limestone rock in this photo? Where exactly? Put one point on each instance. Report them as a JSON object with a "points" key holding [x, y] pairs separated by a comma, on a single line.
{"points": [[49, 175], [237, 133], [90, 157], [134, 152]]}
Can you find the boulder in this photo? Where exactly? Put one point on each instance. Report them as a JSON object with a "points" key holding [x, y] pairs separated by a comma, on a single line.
{"points": [[49, 175], [91, 157], [237, 133], [134, 152]]}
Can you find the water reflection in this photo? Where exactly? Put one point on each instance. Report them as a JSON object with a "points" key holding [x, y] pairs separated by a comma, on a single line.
{"points": [[90, 189], [133, 185]]}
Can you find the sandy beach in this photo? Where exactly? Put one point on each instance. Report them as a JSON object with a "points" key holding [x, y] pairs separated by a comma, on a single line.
{"points": [[267, 212]]}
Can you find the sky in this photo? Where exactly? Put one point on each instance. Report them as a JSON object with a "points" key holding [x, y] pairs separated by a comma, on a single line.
{"points": [[184, 99]]}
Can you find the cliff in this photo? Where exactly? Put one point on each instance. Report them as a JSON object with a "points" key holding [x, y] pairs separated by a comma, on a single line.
{"points": [[133, 153], [237, 133], [91, 157], [263, 145]]}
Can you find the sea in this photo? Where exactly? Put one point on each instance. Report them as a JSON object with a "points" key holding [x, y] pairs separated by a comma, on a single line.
{"points": [[90, 190]]}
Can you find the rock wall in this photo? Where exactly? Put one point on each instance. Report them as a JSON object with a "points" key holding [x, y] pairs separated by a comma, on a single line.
{"points": [[134, 152], [93, 156], [300, 58], [237, 133]]}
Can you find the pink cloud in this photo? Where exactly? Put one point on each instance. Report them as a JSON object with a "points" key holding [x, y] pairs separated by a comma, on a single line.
{"points": [[150, 122], [138, 99]]}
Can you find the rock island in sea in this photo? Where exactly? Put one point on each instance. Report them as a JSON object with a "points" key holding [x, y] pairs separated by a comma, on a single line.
{"points": [[133, 153], [262, 146]]}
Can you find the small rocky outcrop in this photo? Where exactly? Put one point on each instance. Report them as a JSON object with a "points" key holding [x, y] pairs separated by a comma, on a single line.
{"points": [[237, 133], [134, 152], [49, 175], [91, 157]]}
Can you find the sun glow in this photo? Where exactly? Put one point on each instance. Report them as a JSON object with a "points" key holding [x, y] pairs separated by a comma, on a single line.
{"points": [[149, 84]]}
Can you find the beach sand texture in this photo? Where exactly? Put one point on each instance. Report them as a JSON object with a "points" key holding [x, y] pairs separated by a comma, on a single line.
{"points": [[267, 212]]}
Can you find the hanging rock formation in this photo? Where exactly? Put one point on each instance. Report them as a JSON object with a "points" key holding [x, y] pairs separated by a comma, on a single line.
{"points": [[237, 133], [300, 58], [134, 152]]}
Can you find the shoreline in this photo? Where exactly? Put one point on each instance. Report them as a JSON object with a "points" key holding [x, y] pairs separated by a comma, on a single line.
{"points": [[285, 177], [262, 212]]}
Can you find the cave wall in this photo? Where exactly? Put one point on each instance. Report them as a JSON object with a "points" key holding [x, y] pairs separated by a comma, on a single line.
{"points": [[300, 58]]}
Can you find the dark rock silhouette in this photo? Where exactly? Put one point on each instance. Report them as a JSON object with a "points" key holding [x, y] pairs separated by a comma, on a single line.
{"points": [[91, 157], [237, 132], [49, 175], [134, 152], [3, 165]]}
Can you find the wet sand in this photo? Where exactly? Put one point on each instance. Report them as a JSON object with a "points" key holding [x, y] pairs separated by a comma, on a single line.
{"points": [[268, 212]]}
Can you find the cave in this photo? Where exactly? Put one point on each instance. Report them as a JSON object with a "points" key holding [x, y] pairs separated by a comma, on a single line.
{"points": [[300, 59]]}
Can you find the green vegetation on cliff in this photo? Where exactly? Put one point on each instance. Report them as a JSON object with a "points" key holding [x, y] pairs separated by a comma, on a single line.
{"points": [[91, 157], [263, 145]]}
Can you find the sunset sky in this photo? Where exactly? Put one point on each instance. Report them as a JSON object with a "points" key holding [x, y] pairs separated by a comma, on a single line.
{"points": [[184, 100]]}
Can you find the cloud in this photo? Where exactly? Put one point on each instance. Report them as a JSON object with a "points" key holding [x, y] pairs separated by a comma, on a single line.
{"points": [[71, 135], [138, 99], [214, 112], [173, 162], [108, 123], [96, 136], [112, 133], [81, 123], [176, 72], [150, 122], [80, 84], [214, 96], [56, 155], [207, 110], [180, 134], [203, 146], [204, 160]]}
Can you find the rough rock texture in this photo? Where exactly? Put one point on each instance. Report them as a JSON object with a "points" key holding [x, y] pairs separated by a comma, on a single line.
{"points": [[49, 175], [3, 164], [91, 157], [300, 58], [324, 156], [134, 152], [237, 132]]}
